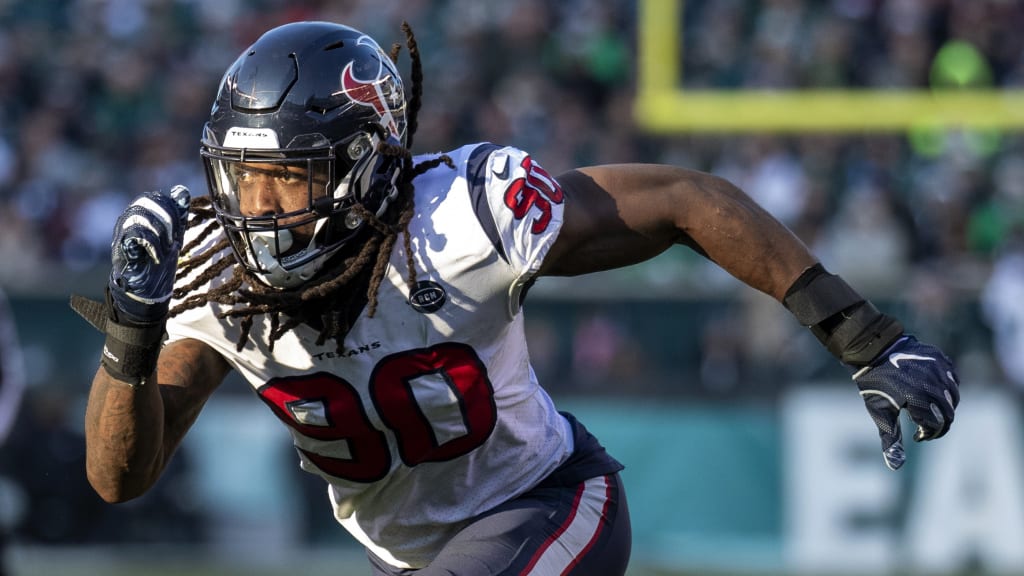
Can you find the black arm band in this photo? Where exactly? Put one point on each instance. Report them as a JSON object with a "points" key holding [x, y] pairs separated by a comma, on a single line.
{"points": [[131, 350], [850, 327]]}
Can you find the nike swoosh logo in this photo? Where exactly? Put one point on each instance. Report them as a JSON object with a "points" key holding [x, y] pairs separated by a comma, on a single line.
{"points": [[502, 171], [894, 359]]}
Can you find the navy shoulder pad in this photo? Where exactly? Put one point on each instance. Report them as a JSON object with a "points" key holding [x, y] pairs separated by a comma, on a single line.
{"points": [[476, 177]]}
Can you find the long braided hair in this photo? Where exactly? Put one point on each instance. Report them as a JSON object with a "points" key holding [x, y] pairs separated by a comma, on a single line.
{"points": [[331, 300]]}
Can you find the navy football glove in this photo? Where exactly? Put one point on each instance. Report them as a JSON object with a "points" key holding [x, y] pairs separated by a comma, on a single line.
{"points": [[914, 376], [144, 254]]}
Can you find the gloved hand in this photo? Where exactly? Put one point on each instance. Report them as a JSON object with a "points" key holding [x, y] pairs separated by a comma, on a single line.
{"points": [[914, 376], [144, 254]]}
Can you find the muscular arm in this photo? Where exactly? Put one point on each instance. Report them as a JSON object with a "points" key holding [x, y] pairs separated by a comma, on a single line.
{"points": [[131, 433], [619, 215]]}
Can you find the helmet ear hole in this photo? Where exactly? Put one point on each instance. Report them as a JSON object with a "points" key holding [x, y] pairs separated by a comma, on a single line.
{"points": [[387, 171]]}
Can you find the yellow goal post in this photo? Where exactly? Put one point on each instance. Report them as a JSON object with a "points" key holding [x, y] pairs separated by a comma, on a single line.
{"points": [[663, 106]]}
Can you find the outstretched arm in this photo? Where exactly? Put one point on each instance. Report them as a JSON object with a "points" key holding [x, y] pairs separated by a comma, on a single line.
{"points": [[623, 214]]}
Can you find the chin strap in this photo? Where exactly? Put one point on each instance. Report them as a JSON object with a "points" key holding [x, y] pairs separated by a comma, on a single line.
{"points": [[131, 350]]}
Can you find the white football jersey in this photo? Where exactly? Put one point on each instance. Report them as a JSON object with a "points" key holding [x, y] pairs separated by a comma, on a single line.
{"points": [[432, 414]]}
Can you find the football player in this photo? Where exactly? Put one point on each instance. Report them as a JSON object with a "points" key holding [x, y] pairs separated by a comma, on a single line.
{"points": [[373, 301]]}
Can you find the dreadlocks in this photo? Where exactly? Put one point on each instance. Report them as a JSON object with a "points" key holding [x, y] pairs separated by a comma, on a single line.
{"points": [[332, 300]]}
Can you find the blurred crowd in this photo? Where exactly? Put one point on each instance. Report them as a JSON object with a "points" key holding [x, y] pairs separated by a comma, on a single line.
{"points": [[100, 99]]}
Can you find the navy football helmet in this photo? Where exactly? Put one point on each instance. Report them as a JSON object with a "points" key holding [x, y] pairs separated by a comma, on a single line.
{"points": [[301, 112]]}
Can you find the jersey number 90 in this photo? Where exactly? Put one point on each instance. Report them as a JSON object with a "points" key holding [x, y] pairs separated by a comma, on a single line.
{"points": [[328, 408]]}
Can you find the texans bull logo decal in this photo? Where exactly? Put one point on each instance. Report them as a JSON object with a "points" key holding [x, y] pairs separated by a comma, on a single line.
{"points": [[370, 92]]}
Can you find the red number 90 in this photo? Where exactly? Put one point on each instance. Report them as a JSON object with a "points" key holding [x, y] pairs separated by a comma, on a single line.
{"points": [[326, 407]]}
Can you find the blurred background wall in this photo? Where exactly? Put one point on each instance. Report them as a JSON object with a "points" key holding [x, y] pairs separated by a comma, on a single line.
{"points": [[747, 447]]}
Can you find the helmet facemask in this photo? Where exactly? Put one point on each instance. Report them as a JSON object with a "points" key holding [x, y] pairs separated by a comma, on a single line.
{"points": [[287, 211]]}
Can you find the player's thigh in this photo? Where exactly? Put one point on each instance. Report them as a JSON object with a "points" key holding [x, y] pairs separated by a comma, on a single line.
{"points": [[573, 530]]}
